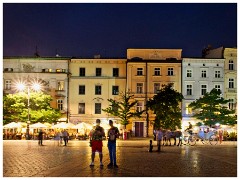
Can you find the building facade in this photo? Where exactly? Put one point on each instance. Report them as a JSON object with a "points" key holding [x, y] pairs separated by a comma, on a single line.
{"points": [[199, 75], [52, 71], [92, 83], [147, 71], [81, 87], [230, 70]]}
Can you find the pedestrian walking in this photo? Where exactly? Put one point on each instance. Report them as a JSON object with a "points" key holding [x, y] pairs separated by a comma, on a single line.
{"points": [[159, 137], [96, 135], [220, 136], [40, 137], [65, 137], [113, 134]]}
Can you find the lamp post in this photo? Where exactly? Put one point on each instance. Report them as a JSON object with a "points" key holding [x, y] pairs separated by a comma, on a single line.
{"points": [[35, 86]]}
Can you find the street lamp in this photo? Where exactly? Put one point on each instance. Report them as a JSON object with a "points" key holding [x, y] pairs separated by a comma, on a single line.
{"points": [[22, 86]]}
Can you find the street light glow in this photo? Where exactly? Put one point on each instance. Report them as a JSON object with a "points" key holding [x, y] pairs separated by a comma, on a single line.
{"points": [[20, 86]]}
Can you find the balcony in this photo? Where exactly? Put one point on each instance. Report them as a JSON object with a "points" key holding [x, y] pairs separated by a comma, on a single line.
{"points": [[232, 90]]}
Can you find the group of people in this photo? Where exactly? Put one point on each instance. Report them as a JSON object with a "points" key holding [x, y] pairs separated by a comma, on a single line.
{"points": [[96, 136], [60, 136]]}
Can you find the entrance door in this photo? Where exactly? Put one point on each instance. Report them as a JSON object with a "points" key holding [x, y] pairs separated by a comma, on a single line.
{"points": [[139, 129]]}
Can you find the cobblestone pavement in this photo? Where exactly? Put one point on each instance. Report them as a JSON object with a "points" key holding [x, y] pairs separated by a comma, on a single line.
{"points": [[23, 158]]}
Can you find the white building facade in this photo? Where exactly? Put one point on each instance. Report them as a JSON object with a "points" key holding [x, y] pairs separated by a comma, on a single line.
{"points": [[198, 77]]}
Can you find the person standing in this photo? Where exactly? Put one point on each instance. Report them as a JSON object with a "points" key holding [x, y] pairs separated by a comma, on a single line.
{"points": [[113, 134], [220, 136], [96, 135], [65, 137], [40, 137], [159, 137]]}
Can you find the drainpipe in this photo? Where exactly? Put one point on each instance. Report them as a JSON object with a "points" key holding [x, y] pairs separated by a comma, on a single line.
{"points": [[146, 98]]}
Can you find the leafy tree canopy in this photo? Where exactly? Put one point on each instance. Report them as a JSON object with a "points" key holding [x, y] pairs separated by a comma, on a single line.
{"points": [[123, 108], [15, 108], [212, 109], [166, 107]]}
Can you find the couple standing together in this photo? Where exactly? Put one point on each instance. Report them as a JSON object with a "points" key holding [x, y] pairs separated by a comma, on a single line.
{"points": [[96, 137]]}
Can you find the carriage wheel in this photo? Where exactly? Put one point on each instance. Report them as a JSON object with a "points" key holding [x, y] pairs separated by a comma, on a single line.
{"points": [[213, 139], [192, 140], [184, 140]]}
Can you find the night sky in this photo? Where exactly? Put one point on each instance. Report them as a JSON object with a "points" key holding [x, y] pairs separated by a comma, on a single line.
{"points": [[109, 29]]}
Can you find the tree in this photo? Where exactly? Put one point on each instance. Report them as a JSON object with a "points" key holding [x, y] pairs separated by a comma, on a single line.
{"points": [[15, 108], [123, 108], [166, 107], [211, 110]]}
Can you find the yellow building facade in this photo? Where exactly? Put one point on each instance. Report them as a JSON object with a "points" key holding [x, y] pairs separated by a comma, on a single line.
{"points": [[92, 82], [147, 71]]}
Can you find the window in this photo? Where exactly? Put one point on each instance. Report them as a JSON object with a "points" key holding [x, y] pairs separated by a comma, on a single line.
{"points": [[98, 108], [139, 71], [115, 72], [115, 90], [156, 87], [189, 89], [217, 87], [188, 109], [217, 74], [115, 108], [60, 85], [157, 71], [139, 106], [139, 88], [81, 89], [231, 104], [231, 83], [189, 73], [81, 108], [203, 89], [204, 74], [98, 90], [82, 72], [230, 65], [8, 84], [60, 104], [170, 71], [98, 71]]}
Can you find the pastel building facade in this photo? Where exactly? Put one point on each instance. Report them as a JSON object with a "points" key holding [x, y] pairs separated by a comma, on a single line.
{"points": [[147, 71], [199, 75]]}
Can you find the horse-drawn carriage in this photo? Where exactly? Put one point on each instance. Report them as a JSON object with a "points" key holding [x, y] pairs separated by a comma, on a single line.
{"points": [[205, 135]]}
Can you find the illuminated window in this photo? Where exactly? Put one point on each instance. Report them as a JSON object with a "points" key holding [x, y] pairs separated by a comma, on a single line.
{"points": [[140, 88], [60, 104], [139, 71], [170, 71], [8, 84], [81, 108], [115, 90], [60, 85], [231, 104], [156, 87], [139, 106]]}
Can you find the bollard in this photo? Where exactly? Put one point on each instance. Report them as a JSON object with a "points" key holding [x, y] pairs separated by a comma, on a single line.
{"points": [[150, 146]]}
